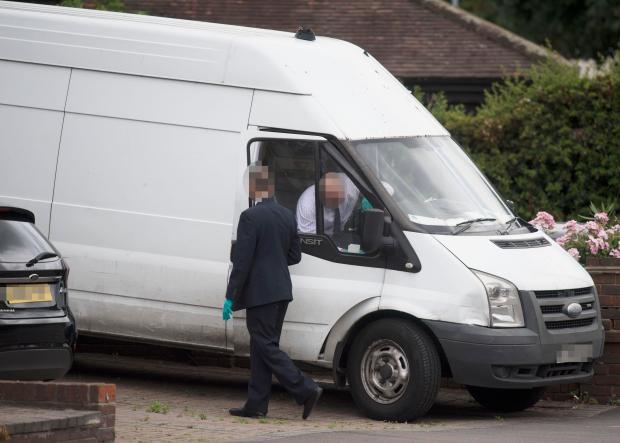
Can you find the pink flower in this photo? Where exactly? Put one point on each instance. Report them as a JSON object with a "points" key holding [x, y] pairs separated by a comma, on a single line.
{"points": [[615, 252], [562, 240], [592, 226], [596, 245], [571, 226], [544, 220], [602, 234], [574, 253], [601, 217]]}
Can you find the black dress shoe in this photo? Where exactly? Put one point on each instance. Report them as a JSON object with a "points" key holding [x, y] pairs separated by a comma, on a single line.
{"points": [[241, 412], [311, 402]]}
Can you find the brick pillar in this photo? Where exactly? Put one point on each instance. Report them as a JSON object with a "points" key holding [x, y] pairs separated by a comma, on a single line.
{"points": [[605, 272]]}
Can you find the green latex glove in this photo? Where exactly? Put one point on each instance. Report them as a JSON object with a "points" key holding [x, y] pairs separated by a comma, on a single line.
{"points": [[365, 205], [227, 310]]}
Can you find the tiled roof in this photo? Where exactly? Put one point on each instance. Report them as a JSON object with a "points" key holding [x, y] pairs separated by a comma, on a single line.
{"points": [[412, 38]]}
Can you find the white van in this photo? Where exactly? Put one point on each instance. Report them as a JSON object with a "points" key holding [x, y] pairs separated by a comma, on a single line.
{"points": [[128, 136]]}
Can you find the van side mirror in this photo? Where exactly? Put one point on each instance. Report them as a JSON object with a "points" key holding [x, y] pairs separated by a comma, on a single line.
{"points": [[373, 221]]}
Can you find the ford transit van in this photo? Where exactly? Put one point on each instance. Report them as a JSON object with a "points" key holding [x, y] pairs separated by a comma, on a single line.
{"points": [[128, 136]]}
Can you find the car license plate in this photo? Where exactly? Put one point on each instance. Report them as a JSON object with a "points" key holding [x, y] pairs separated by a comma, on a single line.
{"points": [[574, 353], [16, 294]]}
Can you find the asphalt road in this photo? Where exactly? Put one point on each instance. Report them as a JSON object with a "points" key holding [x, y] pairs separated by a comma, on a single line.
{"points": [[602, 428]]}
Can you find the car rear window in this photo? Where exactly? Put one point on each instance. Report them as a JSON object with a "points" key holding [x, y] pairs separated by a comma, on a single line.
{"points": [[20, 242]]}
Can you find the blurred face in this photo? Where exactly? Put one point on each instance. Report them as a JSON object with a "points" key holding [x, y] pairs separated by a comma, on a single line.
{"points": [[331, 190], [259, 184]]}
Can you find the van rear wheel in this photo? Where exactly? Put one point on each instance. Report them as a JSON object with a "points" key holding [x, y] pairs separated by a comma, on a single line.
{"points": [[506, 400], [394, 370]]}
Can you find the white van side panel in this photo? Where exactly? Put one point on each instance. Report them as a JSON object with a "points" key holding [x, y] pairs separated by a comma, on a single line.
{"points": [[159, 100], [142, 168], [32, 98], [34, 86], [143, 209]]}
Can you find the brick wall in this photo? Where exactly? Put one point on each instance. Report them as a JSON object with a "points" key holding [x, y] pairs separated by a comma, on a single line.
{"points": [[99, 397], [605, 385]]}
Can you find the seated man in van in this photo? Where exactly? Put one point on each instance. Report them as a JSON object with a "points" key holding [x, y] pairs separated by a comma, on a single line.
{"points": [[340, 198]]}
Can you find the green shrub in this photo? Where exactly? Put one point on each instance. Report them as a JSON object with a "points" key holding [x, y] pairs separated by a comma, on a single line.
{"points": [[549, 141]]}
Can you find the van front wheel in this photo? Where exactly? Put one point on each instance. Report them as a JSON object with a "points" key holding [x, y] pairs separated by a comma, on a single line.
{"points": [[394, 370], [506, 400]]}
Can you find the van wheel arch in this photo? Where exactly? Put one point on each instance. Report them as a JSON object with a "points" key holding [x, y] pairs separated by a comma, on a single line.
{"points": [[342, 351]]}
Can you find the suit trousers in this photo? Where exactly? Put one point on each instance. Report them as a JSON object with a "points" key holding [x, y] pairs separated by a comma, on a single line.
{"points": [[266, 359]]}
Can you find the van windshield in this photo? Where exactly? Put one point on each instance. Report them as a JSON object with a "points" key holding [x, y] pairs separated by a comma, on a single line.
{"points": [[434, 182]]}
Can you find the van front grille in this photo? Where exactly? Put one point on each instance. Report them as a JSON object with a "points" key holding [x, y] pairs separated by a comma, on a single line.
{"points": [[563, 293], [557, 309], [553, 305], [565, 324], [522, 244]]}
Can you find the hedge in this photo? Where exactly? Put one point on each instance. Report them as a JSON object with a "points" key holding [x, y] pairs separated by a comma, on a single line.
{"points": [[549, 140]]}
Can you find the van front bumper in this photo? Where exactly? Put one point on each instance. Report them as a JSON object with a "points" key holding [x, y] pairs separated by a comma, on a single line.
{"points": [[513, 358]]}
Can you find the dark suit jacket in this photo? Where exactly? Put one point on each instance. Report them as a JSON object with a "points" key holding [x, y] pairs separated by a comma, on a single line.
{"points": [[267, 243]]}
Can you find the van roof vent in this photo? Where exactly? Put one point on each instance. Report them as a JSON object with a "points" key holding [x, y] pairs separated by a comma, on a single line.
{"points": [[304, 33], [522, 244]]}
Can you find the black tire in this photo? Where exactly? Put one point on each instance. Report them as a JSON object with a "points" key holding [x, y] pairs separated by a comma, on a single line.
{"points": [[506, 400], [414, 349]]}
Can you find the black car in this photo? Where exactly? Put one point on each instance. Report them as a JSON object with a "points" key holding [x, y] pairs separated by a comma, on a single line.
{"points": [[37, 328]]}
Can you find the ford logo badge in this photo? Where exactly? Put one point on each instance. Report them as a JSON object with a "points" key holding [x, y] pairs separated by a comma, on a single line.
{"points": [[573, 310]]}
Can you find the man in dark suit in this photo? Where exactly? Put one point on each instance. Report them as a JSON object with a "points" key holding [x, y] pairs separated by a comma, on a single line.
{"points": [[267, 244]]}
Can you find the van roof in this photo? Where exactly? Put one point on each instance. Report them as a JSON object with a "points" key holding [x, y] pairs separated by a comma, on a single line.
{"points": [[153, 46], [331, 70]]}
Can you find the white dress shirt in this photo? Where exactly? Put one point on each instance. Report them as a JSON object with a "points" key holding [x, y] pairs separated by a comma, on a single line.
{"points": [[306, 209]]}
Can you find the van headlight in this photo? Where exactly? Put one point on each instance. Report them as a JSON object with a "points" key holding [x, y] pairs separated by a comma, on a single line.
{"points": [[504, 302]]}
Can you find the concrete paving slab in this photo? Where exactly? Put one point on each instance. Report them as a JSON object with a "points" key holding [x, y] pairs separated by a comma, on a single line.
{"points": [[22, 419]]}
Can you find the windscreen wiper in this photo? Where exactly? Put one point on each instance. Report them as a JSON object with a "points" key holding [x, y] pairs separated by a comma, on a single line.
{"points": [[39, 257], [509, 223], [465, 225]]}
